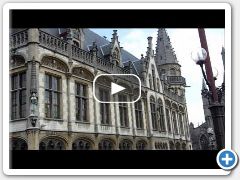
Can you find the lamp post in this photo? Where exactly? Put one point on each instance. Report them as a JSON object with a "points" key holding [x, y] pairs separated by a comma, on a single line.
{"points": [[215, 106]]}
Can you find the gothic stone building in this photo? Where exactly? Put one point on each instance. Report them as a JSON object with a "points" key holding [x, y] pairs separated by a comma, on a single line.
{"points": [[51, 93]]}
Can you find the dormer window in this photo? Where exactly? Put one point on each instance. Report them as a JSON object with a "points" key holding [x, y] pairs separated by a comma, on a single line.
{"points": [[75, 43]]}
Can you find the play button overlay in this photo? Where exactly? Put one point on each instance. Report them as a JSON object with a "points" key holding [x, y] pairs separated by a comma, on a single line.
{"points": [[117, 88]]}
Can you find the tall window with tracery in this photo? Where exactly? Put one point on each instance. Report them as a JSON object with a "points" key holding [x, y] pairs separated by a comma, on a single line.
{"points": [[105, 145], [123, 110], [139, 114], [18, 95], [174, 118], [153, 113], [104, 107], [52, 96], [168, 120], [161, 116], [81, 102]]}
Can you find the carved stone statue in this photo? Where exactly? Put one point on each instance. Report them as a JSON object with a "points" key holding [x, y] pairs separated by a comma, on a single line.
{"points": [[33, 105]]}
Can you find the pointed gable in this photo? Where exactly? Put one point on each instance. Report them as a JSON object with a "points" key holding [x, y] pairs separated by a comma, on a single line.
{"points": [[164, 51]]}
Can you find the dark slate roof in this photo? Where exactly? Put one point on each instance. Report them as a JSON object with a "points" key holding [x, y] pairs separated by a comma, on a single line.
{"points": [[138, 66], [90, 36]]}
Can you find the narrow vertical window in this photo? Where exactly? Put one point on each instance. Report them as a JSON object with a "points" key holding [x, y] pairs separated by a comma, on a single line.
{"points": [[81, 102], [175, 122], [52, 96], [104, 107], [161, 116], [168, 120], [123, 110], [153, 113], [18, 95], [139, 114]]}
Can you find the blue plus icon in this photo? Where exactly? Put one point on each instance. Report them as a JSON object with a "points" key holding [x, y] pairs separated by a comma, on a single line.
{"points": [[227, 159]]}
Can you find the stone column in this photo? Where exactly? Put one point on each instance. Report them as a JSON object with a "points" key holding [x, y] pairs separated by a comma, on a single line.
{"points": [[33, 138]]}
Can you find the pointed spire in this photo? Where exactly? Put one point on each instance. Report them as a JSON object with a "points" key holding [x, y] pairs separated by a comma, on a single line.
{"points": [[164, 51], [150, 49], [114, 36]]}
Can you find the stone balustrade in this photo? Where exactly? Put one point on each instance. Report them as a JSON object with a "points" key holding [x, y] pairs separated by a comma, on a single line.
{"points": [[19, 39]]}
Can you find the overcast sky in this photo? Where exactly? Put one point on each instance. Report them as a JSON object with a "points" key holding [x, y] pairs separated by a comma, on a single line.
{"points": [[184, 41]]}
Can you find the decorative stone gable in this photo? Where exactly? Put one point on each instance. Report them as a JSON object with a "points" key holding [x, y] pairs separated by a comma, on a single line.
{"points": [[54, 63]]}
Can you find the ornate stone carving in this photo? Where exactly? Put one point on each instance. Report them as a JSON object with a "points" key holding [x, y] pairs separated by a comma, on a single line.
{"points": [[77, 71], [17, 61], [54, 63]]}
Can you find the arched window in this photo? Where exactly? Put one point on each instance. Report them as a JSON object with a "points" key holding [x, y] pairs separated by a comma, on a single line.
{"points": [[181, 124], [81, 144], [204, 142], [178, 146], [141, 145], [158, 85], [18, 144], [105, 145], [171, 144], [150, 82], [161, 120], [153, 113], [139, 114], [51, 144], [174, 119], [125, 145], [184, 146], [168, 120], [153, 78]]}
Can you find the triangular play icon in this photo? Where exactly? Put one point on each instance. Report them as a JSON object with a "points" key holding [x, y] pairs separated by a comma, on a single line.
{"points": [[115, 88]]}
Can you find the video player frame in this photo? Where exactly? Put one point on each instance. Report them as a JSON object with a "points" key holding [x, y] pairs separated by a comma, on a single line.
{"points": [[117, 126]]}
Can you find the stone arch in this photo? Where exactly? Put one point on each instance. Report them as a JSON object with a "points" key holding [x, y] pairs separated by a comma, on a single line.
{"points": [[178, 146], [82, 143], [203, 141], [83, 73], [184, 146], [104, 80], [175, 106], [171, 145], [17, 60], [18, 143], [106, 144], [125, 144], [52, 143], [55, 63], [168, 103], [141, 145], [181, 109]]}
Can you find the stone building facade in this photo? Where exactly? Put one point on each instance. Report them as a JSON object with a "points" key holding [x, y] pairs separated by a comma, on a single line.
{"points": [[51, 93]]}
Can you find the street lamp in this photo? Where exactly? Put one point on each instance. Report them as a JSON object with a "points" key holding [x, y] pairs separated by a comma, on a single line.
{"points": [[216, 108]]}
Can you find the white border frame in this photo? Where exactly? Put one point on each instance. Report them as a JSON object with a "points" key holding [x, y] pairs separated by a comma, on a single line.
{"points": [[6, 162], [108, 102]]}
